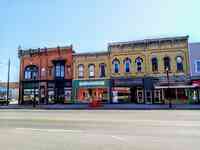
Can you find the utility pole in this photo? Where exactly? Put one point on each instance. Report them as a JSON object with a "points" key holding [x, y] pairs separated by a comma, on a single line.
{"points": [[8, 81]]}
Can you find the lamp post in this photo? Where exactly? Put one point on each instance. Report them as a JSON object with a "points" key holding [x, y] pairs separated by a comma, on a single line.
{"points": [[168, 91], [34, 86]]}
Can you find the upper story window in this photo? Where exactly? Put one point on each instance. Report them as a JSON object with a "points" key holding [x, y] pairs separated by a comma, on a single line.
{"points": [[91, 70], [127, 65], [80, 71], [31, 72], [154, 62], [59, 70], [50, 71], [102, 68], [167, 63], [179, 64], [43, 72], [116, 64], [139, 62], [197, 66]]}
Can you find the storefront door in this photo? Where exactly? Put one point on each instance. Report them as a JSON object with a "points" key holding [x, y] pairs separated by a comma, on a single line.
{"points": [[133, 95]]}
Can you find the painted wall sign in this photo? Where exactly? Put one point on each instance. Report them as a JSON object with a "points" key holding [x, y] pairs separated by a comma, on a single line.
{"points": [[92, 83]]}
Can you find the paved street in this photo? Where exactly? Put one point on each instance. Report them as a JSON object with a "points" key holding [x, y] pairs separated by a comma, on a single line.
{"points": [[99, 129]]}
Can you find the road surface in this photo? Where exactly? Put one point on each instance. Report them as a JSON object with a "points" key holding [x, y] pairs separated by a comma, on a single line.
{"points": [[99, 129]]}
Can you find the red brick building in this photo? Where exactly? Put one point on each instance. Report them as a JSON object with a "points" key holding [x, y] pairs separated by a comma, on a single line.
{"points": [[45, 74]]}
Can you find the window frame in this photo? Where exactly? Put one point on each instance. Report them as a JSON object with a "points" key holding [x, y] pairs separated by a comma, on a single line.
{"points": [[127, 61], [79, 72], [60, 67], [152, 65], [31, 72], [137, 65], [114, 63], [169, 67], [101, 75], [196, 66], [182, 69], [91, 72]]}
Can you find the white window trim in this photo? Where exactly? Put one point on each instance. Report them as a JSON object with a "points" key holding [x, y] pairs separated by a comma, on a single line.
{"points": [[80, 71]]}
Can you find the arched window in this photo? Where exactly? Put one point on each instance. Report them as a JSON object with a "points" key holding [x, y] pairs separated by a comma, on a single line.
{"points": [[138, 62], [102, 69], [80, 71], [127, 65], [116, 64], [154, 63], [167, 64], [179, 64], [43, 72], [31, 72], [91, 70]]}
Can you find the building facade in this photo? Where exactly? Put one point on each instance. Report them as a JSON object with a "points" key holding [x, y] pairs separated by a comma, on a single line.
{"points": [[145, 71], [142, 71], [46, 75], [194, 49], [91, 77]]}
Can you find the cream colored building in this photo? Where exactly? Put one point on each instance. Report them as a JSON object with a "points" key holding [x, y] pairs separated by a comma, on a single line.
{"points": [[91, 77]]}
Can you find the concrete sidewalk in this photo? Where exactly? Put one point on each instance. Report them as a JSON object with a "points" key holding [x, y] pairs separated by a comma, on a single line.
{"points": [[106, 106]]}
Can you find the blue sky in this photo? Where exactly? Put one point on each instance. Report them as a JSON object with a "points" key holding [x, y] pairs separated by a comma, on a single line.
{"points": [[89, 25]]}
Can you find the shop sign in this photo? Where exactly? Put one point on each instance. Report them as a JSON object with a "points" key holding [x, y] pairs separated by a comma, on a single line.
{"points": [[92, 83], [128, 82]]}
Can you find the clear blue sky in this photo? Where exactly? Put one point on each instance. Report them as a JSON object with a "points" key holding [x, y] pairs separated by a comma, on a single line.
{"points": [[89, 25]]}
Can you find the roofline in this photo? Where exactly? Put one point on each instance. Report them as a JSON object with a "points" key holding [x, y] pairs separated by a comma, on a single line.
{"points": [[90, 53], [24, 52], [149, 40], [48, 48], [194, 43]]}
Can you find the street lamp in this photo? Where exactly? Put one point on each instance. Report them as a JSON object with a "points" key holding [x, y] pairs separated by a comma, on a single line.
{"points": [[168, 91], [34, 87]]}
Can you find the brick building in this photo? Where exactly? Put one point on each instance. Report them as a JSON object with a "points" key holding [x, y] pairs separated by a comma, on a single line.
{"points": [[45, 74], [91, 77], [139, 69]]}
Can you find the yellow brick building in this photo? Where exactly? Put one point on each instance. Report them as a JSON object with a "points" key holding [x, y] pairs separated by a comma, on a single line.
{"points": [[91, 76], [138, 68]]}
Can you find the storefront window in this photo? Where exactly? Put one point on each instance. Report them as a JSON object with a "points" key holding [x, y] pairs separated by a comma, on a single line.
{"points": [[154, 62], [179, 64], [138, 62], [91, 70], [102, 70], [80, 71], [86, 95], [167, 64], [29, 95]]}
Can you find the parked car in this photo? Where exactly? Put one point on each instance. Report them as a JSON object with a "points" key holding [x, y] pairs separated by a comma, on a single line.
{"points": [[3, 100]]}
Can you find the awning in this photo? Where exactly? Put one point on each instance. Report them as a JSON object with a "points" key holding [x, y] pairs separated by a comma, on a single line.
{"points": [[176, 87], [196, 83]]}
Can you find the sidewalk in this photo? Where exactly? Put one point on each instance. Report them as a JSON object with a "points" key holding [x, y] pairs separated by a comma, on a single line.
{"points": [[106, 107]]}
